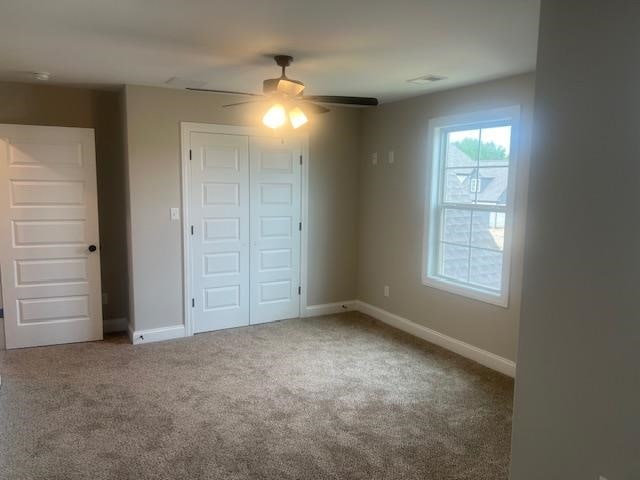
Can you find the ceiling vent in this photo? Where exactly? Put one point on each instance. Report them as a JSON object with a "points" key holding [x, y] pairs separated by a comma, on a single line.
{"points": [[426, 79], [41, 76]]}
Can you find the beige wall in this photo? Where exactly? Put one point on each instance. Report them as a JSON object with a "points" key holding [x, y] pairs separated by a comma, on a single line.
{"points": [[153, 133], [360, 215], [577, 406], [391, 214], [76, 107]]}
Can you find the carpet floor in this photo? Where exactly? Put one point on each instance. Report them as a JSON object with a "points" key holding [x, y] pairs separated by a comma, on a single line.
{"points": [[333, 397]]}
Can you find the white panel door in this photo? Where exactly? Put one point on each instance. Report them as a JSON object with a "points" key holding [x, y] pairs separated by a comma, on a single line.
{"points": [[219, 212], [275, 236], [49, 217]]}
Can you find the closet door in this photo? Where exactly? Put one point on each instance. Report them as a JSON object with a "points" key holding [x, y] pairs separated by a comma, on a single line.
{"points": [[275, 173], [219, 212]]}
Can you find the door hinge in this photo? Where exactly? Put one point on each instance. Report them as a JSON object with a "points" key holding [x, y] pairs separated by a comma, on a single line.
{"points": [[300, 159], [299, 290], [193, 302], [190, 154], [191, 229], [300, 226]]}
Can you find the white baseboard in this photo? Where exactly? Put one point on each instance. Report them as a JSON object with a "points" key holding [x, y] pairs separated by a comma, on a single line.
{"points": [[156, 334], [111, 325], [488, 359], [476, 354], [327, 308]]}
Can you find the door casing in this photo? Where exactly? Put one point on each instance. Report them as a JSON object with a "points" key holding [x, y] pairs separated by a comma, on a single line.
{"points": [[186, 128]]}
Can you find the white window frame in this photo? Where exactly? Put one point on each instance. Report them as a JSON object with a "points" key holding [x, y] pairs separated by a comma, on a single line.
{"points": [[434, 188]]}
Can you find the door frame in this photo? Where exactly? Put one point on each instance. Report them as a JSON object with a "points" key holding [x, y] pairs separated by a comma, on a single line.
{"points": [[186, 128]]}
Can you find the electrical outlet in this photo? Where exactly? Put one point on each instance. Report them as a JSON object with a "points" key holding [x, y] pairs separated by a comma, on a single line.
{"points": [[175, 214], [386, 290], [602, 478], [105, 298], [374, 158]]}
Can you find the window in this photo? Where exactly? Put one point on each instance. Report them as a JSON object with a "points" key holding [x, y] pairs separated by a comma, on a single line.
{"points": [[469, 212]]}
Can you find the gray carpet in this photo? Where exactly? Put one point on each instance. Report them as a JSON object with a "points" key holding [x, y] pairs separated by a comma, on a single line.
{"points": [[335, 397]]}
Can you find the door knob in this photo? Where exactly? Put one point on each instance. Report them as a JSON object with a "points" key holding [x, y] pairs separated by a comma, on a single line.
{"points": [[92, 248]]}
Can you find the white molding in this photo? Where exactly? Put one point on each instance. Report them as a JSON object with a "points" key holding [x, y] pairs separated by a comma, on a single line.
{"points": [[488, 359], [433, 187], [483, 357], [111, 325], [497, 299], [186, 128], [327, 308], [304, 218], [185, 168], [156, 334]]}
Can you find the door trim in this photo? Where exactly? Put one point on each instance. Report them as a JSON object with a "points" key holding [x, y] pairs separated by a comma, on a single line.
{"points": [[186, 128]]}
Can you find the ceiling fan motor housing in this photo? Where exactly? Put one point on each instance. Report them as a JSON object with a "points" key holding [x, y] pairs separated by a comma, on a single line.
{"points": [[282, 85]]}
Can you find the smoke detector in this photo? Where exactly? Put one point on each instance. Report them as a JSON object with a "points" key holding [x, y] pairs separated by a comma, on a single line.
{"points": [[41, 76], [426, 79]]}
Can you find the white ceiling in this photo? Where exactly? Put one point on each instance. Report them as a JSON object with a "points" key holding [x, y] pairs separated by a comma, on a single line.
{"points": [[341, 47]]}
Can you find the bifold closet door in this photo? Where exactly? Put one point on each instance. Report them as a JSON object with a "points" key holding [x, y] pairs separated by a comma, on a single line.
{"points": [[219, 211], [275, 174]]}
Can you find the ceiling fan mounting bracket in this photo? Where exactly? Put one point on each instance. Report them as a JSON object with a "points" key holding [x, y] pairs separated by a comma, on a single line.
{"points": [[283, 60]]}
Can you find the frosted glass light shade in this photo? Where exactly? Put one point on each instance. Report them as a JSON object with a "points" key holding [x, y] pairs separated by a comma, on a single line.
{"points": [[297, 117], [275, 116]]}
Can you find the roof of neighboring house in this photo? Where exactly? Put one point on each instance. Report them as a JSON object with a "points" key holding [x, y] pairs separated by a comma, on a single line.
{"points": [[493, 179]]}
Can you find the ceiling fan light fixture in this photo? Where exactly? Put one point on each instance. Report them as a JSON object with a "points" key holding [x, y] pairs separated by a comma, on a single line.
{"points": [[285, 94], [297, 117], [275, 117]]}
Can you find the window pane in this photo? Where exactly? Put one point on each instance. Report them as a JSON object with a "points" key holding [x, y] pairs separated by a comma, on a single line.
{"points": [[460, 184], [462, 148], [488, 230], [456, 226], [495, 145], [492, 185], [486, 268], [455, 262]]}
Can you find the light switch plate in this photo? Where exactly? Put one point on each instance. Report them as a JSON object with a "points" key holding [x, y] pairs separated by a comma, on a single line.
{"points": [[391, 158], [175, 214]]}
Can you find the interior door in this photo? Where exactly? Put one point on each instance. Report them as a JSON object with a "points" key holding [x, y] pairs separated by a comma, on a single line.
{"points": [[219, 211], [275, 172], [50, 267]]}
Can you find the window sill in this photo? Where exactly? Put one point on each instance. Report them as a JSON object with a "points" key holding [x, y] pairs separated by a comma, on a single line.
{"points": [[500, 300]]}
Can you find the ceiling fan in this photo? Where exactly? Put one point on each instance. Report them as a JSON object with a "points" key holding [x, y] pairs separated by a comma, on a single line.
{"points": [[287, 98]]}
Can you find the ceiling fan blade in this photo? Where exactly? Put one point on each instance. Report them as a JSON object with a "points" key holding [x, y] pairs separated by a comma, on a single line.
{"points": [[364, 101], [313, 107], [290, 87], [244, 103], [230, 92]]}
